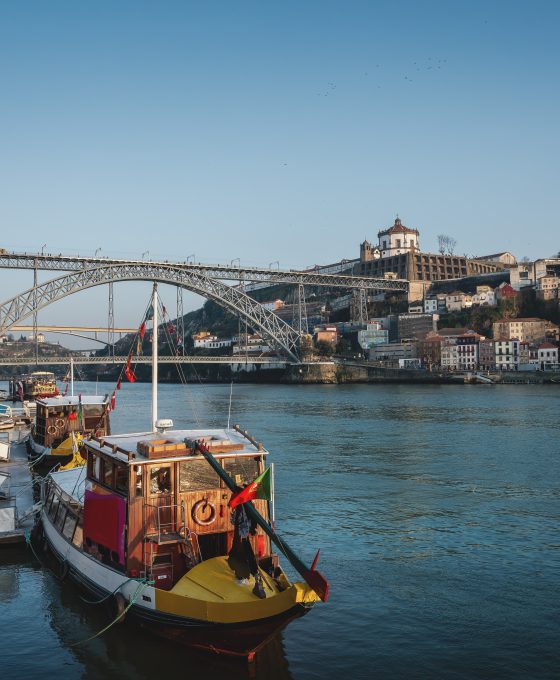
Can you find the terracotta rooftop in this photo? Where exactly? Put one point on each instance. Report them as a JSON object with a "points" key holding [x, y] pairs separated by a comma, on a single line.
{"points": [[398, 228]]}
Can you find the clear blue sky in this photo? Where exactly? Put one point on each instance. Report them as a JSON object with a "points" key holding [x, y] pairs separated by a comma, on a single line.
{"points": [[275, 130]]}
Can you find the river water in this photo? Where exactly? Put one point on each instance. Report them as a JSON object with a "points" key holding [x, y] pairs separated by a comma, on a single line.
{"points": [[436, 509]]}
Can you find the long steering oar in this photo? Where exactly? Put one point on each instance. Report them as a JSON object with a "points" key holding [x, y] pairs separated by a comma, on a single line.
{"points": [[316, 580]]}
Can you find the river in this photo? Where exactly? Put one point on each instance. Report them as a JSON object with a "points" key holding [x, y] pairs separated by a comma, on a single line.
{"points": [[436, 509]]}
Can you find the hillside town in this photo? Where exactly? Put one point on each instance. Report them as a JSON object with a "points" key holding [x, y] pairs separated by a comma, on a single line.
{"points": [[461, 313]]}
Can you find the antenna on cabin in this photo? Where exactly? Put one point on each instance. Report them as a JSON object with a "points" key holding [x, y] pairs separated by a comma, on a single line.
{"points": [[229, 409]]}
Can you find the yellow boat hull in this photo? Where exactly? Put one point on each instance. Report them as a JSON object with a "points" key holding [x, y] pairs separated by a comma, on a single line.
{"points": [[210, 593]]}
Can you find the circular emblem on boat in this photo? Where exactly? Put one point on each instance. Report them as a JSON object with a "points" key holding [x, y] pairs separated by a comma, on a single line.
{"points": [[200, 512], [51, 429], [59, 422]]}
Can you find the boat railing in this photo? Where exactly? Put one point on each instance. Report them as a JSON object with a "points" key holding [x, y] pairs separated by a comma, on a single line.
{"points": [[169, 520], [168, 525]]}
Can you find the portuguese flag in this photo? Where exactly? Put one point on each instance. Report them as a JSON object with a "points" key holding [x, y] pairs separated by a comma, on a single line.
{"points": [[259, 488]]}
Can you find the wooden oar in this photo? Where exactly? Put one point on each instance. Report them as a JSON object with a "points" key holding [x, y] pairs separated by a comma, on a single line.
{"points": [[316, 580]]}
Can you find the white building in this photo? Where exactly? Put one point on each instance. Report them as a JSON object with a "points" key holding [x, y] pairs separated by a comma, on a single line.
{"points": [[212, 342], [457, 300], [547, 356], [398, 239], [430, 306], [484, 297], [507, 354], [449, 355]]}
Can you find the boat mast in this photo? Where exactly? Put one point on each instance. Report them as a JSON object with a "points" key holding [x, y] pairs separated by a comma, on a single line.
{"points": [[154, 357], [71, 376]]}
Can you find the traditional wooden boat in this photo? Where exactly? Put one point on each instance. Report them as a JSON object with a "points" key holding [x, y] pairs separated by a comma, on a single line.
{"points": [[147, 525], [61, 423], [36, 385]]}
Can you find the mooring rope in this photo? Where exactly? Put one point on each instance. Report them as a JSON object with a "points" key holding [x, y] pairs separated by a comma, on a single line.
{"points": [[141, 587]]}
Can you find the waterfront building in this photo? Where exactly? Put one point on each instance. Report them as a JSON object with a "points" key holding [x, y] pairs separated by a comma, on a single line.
{"points": [[486, 355], [398, 254], [547, 355], [414, 326], [530, 329], [374, 334], [428, 351], [507, 354], [392, 352], [449, 354], [467, 351]]}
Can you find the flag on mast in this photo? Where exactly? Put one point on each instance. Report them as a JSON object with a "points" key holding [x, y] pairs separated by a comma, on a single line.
{"points": [[259, 488]]}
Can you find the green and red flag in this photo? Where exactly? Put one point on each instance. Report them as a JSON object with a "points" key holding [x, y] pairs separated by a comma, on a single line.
{"points": [[259, 488]]}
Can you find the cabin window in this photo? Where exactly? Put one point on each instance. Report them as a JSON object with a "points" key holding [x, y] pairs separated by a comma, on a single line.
{"points": [[97, 468], [48, 499], [138, 482], [242, 470], [197, 475], [121, 478], [93, 410], [59, 521], [160, 479], [69, 526], [78, 538], [54, 505], [107, 473]]}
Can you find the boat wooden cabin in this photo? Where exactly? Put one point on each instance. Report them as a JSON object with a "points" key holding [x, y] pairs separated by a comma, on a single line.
{"points": [[58, 417], [175, 505]]}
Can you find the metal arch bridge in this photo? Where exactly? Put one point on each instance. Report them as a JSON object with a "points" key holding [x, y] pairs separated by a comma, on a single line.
{"points": [[313, 277], [76, 331], [206, 280]]}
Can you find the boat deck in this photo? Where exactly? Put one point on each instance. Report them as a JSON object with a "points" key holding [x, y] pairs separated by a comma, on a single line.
{"points": [[16, 490]]}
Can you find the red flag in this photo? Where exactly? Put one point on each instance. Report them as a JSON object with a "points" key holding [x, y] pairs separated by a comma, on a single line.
{"points": [[129, 373], [119, 384], [142, 330], [113, 400]]}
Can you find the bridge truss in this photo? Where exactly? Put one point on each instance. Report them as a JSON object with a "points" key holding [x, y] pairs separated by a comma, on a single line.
{"points": [[205, 279]]}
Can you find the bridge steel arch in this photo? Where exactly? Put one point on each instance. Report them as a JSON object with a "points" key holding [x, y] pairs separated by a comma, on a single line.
{"points": [[282, 335]]}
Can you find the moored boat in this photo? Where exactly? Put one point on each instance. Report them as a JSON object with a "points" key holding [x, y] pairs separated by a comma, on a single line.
{"points": [[176, 529], [33, 386], [62, 422]]}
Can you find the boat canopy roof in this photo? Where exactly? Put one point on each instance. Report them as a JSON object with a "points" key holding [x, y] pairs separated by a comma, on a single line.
{"points": [[71, 482], [73, 401], [132, 447]]}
